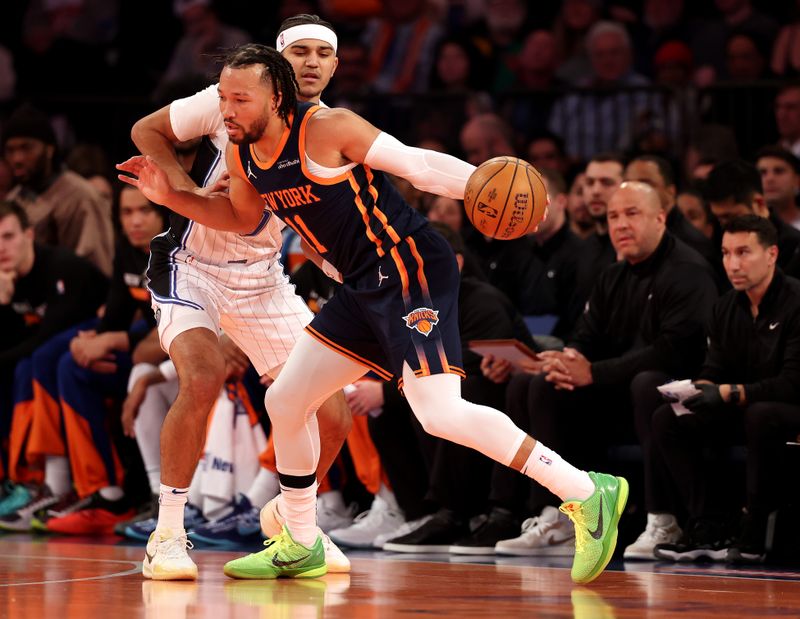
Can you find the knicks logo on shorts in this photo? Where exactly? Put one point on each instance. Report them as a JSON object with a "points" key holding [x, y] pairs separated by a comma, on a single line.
{"points": [[422, 319]]}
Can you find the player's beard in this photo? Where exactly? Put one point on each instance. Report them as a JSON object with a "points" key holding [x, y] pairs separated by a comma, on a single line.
{"points": [[254, 133]]}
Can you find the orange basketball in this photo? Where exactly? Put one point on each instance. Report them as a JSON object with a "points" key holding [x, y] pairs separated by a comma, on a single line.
{"points": [[505, 198]]}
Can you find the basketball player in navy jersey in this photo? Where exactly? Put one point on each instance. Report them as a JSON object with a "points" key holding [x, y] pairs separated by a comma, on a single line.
{"points": [[396, 314], [202, 280]]}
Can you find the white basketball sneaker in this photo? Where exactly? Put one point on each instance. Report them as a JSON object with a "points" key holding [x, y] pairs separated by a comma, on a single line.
{"points": [[661, 529], [549, 534], [272, 523], [165, 557]]}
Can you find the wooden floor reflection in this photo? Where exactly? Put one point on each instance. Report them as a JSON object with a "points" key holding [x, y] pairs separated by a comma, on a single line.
{"points": [[67, 579]]}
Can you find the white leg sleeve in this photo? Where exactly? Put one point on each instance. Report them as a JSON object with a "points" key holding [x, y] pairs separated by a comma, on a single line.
{"points": [[312, 373], [437, 403]]}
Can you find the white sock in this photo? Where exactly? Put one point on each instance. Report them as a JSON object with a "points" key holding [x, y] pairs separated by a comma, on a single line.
{"points": [[264, 487], [388, 496], [170, 507], [56, 474], [557, 475], [300, 510], [111, 493]]}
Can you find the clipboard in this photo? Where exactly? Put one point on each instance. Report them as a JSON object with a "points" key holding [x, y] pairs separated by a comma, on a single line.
{"points": [[513, 351]]}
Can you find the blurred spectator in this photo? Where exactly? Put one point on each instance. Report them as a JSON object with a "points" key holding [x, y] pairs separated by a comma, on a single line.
{"points": [[90, 161], [546, 150], [548, 282], [731, 103], [448, 212], [61, 35], [746, 56], [787, 117], [401, 44], [486, 136], [733, 189], [204, 36], [748, 387], [709, 144], [457, 67], [350, 78], [573, 22], [696, 211], [780, 178], [43, 290], [672, 65], [709, 41], [604, 118], [603, 176], [8, 77], [535, 70], [661, 21], [580, 220], [64, 209], [500, 37], [786, 51], [657, 172], [6, 179], [538, 61]]}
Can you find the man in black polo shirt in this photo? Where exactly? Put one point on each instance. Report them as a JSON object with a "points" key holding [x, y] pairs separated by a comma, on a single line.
{"points": [[750, 383]]}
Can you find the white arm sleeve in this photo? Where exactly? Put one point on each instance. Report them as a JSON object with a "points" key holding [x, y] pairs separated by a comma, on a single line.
{"points": [[427, 170], [196, 116]]}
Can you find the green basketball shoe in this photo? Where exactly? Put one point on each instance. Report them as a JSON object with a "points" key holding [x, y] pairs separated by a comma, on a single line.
{"points": [[595, 521], [282, 557]]}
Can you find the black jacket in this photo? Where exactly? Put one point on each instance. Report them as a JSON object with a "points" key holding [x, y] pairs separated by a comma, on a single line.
{"points": [[548, 282], [648, 316], [60, 290], [763, 354]]}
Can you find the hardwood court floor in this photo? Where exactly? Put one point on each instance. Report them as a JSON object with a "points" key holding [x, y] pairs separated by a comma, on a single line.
{"points": [[61, 578]]}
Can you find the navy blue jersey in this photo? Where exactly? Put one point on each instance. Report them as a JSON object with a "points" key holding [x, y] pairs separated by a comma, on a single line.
{"points": [[352, 220]]}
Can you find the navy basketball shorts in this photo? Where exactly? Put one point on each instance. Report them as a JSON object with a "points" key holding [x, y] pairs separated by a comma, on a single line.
{"points": [[404, 309]]}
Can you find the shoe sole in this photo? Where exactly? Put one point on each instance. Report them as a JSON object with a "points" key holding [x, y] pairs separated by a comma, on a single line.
{"points": [[390, 547], [352, 545], [472, 551], [556, 551], [244, 575], [608, 551], [693, 555]]}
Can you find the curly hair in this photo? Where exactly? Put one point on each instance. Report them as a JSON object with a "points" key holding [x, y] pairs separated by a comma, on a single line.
{"points": [[277, 71]]}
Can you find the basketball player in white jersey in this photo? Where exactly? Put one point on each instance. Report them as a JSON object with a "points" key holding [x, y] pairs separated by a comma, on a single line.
{"points": [[203, 281]]}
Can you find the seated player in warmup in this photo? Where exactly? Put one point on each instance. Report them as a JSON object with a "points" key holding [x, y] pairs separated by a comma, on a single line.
{"points": [[317, 169]]}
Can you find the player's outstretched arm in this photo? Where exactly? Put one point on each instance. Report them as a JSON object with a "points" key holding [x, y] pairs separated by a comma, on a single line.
{"points": [[241, 211], [359, 141]]}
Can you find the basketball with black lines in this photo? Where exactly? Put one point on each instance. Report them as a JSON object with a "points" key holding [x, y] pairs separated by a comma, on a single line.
{"points": [[505, 198]]}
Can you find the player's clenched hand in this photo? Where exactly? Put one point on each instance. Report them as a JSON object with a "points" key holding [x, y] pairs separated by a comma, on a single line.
{"points": [[147, 177], [6, 287], [236, 361], [219, 188]]}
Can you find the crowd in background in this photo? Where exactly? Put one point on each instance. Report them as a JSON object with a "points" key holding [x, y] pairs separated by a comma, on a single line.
{"points": [[668, 135]]}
